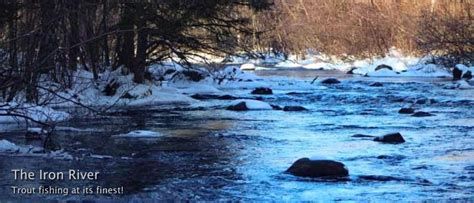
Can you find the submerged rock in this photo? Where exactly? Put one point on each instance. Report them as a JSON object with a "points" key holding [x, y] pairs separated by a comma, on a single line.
{"points": [[457, 73], [211, 96], [422, 114], [393, 138], [406, 111], [262, 90], [376, 84], [381, 178], [383, 66], [362, 136], [294, 108], [330, 81], [305, 167]]}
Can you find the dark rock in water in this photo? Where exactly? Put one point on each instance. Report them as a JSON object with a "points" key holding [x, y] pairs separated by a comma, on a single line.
{"points": [[305, 167], [294, 108], [331, 81], [259, 98], [383, 66], [211, 96], [111, 88], [406, 111], [422, 114], [276, 107], [298, 93], [457, 73], [467, 75], [391, 157], [376, 84], [393, 138], [351, 71], [226, 97], [262, 90], [381, 178], [421, 101], [362, 136], [238, 107], [193, 75]]}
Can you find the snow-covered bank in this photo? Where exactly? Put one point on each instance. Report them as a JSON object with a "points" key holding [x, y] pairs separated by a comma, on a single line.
{"points": [[7, 147], [14, 112], [394, 64]]}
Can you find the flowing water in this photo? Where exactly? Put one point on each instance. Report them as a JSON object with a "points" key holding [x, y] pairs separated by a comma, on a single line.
{"points": [[209, 153]]}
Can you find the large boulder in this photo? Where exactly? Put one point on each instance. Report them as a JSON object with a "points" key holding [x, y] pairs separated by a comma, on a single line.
{"points": [[247, 104], [393, 138], [330, 81], [262, 90], [306, 167], [406, 111], [457, 73], [294, 108], [383, 66]]}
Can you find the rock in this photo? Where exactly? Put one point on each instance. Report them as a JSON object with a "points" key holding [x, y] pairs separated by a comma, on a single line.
{"points": [[376, 84], [393, 138], [238, 107], [248, 104], [262, 90], [406, 111], [111, 88], [351, 71], [362, 136], [305, 167], [422, 114], [457, 73], [381, 178], [467, 75], [383, 66], [294, 108], [211, 96], [193, 75], [331, 81], [276, 107]]}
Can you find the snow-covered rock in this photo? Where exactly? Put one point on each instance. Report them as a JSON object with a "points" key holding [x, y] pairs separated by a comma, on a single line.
{"points": [[8, 147], [140, 134], [248, 104], [247, 66]]}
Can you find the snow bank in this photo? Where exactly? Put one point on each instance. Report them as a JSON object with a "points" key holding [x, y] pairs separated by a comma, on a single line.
{"points": [[140, 134], [253, 104], [7, 147], [37, 113]]}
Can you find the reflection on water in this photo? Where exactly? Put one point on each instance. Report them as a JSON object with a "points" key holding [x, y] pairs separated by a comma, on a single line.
{"points": [[216, 154]]}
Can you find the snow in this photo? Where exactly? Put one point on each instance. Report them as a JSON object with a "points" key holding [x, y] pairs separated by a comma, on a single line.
{"points": [[253, 104], [247, 66], [7, 147], [140, 134], [37, 113]]}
